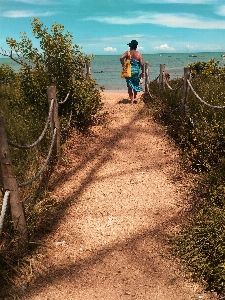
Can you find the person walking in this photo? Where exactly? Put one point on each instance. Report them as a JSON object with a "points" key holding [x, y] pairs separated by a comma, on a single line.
{"points": [[136, 60]]}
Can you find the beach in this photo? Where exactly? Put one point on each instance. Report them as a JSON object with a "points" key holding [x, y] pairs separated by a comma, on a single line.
{"points": [[118, 96]]}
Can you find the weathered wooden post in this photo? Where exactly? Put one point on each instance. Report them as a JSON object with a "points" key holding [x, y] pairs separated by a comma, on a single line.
{"points": [[88, 68], [161, 77], [147, 80], [10, 184], [54, 120], [185, 90]]}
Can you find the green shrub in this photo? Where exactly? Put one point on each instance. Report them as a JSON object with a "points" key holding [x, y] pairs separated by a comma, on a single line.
{"points": [[200, 134], [207, 69], [201, 246], [61, 63]]}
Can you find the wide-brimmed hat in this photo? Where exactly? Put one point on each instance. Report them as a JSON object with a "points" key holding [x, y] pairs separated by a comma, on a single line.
{"points": [[133, 43]]}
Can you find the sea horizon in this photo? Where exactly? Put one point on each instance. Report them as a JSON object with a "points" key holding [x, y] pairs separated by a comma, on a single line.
{"points": [[106, 68], [157, 53]]}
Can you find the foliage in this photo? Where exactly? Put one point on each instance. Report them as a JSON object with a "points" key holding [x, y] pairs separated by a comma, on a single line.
{"points": [[60, 63], [207, 69], [202, 246], [200, 134], [7, 74]]}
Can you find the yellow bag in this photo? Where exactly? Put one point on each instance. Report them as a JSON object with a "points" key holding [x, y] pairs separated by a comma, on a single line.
{"points": [[126, 69]]}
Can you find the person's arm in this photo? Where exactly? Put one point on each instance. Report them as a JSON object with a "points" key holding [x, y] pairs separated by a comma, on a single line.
{"points": [[142, 66], [122, 58]]}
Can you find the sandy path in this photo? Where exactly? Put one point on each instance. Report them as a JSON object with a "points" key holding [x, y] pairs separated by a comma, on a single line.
{"points": [[110, 242]]}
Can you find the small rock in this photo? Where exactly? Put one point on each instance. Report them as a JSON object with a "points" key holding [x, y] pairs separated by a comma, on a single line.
{"points": [[60, 243], [127, 293]]}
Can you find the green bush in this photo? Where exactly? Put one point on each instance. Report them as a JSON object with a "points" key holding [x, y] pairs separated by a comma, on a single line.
{"points": [[58, 63], [207, 69], [201, 246], [200, 134]]}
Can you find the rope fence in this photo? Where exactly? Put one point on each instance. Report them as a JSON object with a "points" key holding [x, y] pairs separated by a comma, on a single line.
{"points": [[10, 184], [40, 137], [163, 80], [186, 84], [45, 163], [172, 89], [201, 100], [64, 101]]}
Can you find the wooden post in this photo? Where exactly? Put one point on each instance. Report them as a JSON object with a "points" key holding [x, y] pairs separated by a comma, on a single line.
{"points": [[161, 77], [54, 120], [51, 90], [88, 68], [10, 183], [185, 90], [147, 80]]}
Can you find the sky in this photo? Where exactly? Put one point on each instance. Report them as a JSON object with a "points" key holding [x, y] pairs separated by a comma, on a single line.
{"points": [[106, 26]]}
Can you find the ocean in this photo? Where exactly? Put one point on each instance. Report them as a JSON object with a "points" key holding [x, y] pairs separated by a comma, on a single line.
{"points": [[106, 68]]}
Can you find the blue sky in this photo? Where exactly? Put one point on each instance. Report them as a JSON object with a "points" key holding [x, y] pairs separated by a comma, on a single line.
{"points": [[106, 26]]}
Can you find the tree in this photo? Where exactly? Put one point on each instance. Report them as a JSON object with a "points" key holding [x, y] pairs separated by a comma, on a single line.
{"points": [[61, 63]]}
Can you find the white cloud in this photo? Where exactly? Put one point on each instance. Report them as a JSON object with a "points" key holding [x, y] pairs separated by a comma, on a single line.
{"points": [[24, 14], [110, 49], [168, 20], [221, 10], [187, 21], [164, 47]]}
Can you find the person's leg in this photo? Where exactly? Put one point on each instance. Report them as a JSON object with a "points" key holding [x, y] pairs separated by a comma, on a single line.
{"points": [[130, 93], [135, 95]]}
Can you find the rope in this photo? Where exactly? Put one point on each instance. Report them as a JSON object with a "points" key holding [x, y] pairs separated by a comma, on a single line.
{"points": [[4, 206], [156, 78], [147, 91], [44, 165], [150, 94], [41, 136], [68, 123], [212, 106], [64, 99], [173, 89]]}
